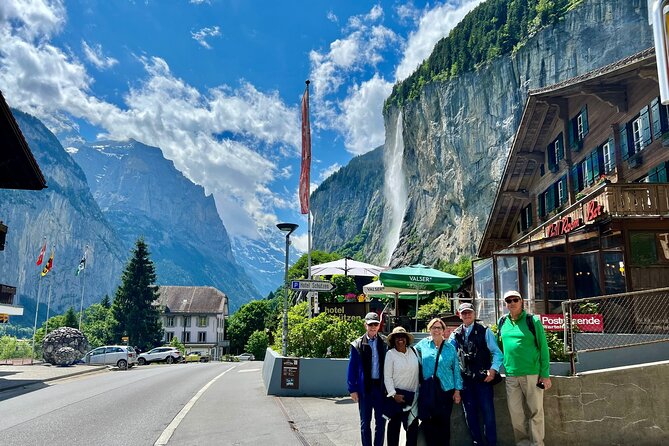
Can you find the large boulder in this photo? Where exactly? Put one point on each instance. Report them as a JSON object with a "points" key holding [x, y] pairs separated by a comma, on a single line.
{"points": [[64, 346]]}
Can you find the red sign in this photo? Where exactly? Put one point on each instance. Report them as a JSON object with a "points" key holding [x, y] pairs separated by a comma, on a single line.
{"points": [[592, 323], [593, 210], [562, 226]]}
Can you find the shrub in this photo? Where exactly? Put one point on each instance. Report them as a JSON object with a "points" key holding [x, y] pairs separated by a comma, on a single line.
{"points": [[257, 344]]}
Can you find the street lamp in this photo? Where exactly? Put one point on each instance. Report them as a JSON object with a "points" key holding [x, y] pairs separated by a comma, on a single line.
{"points": [[288, 228], [183, 337]]}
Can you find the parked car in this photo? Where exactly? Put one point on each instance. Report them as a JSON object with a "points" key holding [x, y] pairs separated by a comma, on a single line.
{"points": [[198, 356], [246, 357], [122, 356], [160, 354]]}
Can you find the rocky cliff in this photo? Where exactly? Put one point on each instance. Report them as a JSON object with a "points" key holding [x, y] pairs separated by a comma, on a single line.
{"points": [[456, 134], [68, 216], [142, 194]]}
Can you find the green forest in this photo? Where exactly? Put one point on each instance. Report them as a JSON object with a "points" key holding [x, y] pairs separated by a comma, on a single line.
{"points": [[492, 29]]}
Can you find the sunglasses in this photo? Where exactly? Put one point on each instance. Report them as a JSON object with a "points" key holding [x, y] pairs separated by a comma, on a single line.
{"points": [[512, 299]]}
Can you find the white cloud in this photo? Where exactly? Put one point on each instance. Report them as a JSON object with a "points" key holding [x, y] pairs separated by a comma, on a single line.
{"points": [[331, 16], [434, 25], [201, 35], [407, 12], [32, 18], [95, 56]]}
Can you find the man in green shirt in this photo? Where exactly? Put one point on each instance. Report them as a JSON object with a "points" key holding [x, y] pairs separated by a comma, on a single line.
{"points": [[526, 361]]}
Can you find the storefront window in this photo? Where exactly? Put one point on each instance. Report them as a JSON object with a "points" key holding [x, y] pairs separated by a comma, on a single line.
{"points": [[614, 272], [527, 277], [643, 248], [484, 290], [507, 277], [586, 275], [556, 282]]}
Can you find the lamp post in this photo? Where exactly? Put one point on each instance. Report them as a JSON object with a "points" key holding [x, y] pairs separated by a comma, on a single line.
{"points": [[183, 337], [288, 228]]}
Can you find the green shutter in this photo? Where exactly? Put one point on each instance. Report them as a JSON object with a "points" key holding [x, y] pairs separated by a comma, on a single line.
{"points": [[550, 151], [598, 162], [655, 110], [624, 143], [540, 203], [529, 215], [584, 115], [645, 126], [570, 133], [550, 199], [565, 198], [560, 145]]}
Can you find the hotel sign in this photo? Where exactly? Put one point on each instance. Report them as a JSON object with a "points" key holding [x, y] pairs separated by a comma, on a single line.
{"points": [[579, 217]]}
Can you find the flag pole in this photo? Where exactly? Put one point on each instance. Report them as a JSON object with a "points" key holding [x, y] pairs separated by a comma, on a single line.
{"points": [[48, 306], [309, 294], [39, 291], [81, 305]]}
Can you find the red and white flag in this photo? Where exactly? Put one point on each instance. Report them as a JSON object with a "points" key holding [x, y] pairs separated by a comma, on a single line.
{"points": [[41, 253], [306, 153]]}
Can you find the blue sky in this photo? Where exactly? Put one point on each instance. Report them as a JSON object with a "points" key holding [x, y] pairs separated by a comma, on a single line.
{"points": [[217, 84]]}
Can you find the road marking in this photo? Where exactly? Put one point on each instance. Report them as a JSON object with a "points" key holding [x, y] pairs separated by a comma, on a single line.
{"points": [[248, 370], [169, 430]]}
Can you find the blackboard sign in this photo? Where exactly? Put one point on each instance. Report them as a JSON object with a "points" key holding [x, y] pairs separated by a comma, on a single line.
{"points": [[290, 373]]}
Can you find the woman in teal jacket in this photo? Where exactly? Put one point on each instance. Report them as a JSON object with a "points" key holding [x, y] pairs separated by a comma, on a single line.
{"points": [[437, 427]]}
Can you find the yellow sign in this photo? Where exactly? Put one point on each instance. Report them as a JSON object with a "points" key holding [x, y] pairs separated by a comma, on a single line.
{"points": [[4, 318], [125, 339]]}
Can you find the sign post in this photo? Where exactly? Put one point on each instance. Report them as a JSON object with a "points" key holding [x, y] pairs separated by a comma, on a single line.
{"points": [[312, 285]]}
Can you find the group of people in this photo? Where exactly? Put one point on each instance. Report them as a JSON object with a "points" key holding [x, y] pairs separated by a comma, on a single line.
{"points": [[387, 375]]}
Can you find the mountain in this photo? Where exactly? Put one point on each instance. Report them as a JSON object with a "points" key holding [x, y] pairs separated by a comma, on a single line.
{"points": [[447, 140], [142, 194], [68, 216]]}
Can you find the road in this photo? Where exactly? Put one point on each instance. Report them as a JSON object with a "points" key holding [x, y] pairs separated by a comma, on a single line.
{"points": [[149, 405]]}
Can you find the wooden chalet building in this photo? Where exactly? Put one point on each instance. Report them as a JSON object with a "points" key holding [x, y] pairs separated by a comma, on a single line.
{"points": [[583, 204], [18, 170]]}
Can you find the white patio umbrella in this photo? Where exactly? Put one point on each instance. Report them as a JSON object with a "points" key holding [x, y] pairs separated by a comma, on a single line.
{"points": [[378, 290], [348, 267]]}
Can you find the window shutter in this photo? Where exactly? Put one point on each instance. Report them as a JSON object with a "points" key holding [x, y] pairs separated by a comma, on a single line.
{"points": [[655, 111], [541, 207], [550, 199], [645, 125], [550, 150], [612, 151], [576, 178], [560, 145], [598, 161], [624, 142], [588, 162], [570, 132], [529, 215], [584, 115], [664, 118]]}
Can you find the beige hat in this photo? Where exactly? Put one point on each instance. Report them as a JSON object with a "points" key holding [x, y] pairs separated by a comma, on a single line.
{"points": [[399, 331]]}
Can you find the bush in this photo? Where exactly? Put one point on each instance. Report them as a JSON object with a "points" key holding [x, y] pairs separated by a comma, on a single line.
{"points": [[10, 348], [257, 344], [439, 305]]}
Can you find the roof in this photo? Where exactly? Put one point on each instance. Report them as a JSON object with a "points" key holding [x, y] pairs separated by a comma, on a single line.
{"points": [[542, 109], [192, 299], [18, 168]]}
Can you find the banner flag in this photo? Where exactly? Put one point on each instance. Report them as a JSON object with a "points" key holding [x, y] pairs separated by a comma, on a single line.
{"points": [[48, 266], [41, 254], [82, 263], [306, 153]]}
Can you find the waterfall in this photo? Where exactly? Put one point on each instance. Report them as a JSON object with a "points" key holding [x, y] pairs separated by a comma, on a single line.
{"points": [[394, 189]]}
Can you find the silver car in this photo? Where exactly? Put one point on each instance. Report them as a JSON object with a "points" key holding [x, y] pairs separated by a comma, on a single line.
{"points": [[122, 356]]}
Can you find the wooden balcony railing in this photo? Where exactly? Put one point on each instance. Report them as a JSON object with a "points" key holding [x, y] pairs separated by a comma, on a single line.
{"points": [[635, 199]]}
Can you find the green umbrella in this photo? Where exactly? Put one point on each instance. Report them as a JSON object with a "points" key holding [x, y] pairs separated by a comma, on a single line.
{"points": [[420, 277]]}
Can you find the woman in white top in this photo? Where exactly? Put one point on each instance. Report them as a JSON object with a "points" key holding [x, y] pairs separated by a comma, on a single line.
{"points": [[400, 374]]}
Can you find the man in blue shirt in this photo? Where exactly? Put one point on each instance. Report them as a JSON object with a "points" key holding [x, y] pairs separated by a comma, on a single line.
{"points": [[365, 380], [480, 361]]}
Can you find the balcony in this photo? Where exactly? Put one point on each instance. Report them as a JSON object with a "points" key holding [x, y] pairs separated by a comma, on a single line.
{"points": [[634, 199]]}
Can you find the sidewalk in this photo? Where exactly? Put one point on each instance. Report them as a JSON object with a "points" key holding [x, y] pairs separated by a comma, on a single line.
{"points": [[16, 376]]}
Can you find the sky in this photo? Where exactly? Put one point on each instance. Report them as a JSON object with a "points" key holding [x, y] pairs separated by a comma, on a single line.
{"points": [[217, 84]]}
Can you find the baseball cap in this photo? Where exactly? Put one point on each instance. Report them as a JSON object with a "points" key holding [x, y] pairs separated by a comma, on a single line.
{"points": [[372, 318], [512, 293], [465, 307]]}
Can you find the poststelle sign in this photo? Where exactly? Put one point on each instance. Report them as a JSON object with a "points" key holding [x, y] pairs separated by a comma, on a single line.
{"points": [[590, 323]]}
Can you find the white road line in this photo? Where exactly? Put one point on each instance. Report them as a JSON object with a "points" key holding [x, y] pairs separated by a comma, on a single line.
{"points": [[248, 370], [169, 430]]}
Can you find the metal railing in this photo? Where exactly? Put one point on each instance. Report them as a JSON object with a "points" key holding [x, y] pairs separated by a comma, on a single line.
{"points": [[615, 321]]}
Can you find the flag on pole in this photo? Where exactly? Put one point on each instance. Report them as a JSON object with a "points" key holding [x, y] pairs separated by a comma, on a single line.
{"points": [[41, 253], [82, 263], [48, 266], [306, 153]]}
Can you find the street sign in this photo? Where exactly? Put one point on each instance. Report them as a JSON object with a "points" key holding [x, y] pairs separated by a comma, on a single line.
{"points": [[311, 285]]}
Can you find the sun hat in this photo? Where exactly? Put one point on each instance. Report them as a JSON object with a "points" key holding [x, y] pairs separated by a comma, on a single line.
{"points": [[399, 331]]}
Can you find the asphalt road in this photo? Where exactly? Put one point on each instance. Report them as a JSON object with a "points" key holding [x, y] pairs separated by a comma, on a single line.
{"points": [[139, 406]]}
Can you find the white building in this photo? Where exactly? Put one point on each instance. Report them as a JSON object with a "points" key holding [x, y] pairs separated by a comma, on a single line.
{"points": [[196, 316]]}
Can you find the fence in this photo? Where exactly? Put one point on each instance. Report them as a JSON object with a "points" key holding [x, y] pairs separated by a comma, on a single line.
{"points": [[627, 319]]}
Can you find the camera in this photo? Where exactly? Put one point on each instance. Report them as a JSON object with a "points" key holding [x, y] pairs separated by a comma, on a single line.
{"points": [[540, 384]]}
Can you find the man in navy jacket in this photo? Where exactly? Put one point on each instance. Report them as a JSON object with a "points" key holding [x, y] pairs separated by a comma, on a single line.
{"points": [[365, 380]]}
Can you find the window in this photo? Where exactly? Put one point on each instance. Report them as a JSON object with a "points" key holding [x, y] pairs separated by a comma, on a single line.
{"points": [[186, 321], [169, 321], [561, 188], [586, 169], [660, 123], [169, 335], [201, 336], [555, 151], [202, 321], [636, 134], [526, 218], [609, 155], [578, 128], [657, 174], [185, 336]]}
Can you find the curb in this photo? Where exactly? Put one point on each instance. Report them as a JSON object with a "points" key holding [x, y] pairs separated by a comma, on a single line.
{"points": [[53, 378]]}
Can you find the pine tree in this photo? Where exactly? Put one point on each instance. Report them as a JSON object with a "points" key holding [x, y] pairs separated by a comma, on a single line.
{"points": [[106, 302], [133, 310], [71, 318]]}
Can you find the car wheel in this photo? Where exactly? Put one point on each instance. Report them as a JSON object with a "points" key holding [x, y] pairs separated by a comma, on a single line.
{"points": [[122, 364], [141, 361], [169, 360]]}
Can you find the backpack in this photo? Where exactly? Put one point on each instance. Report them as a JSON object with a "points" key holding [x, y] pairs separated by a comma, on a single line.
{"points": [[530, 325]]}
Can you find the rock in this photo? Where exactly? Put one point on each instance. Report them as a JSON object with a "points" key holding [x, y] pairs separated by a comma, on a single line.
{"points": [[64, 346]]}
